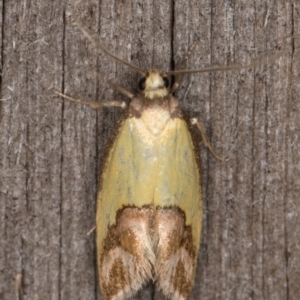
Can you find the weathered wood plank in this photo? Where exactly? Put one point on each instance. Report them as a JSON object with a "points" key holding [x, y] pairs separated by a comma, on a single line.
{"points": [[30, 149], [51, 150]]}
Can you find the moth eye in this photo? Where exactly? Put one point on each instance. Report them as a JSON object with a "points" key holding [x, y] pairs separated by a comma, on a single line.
{"points": [[166, 81], [142, 84]]}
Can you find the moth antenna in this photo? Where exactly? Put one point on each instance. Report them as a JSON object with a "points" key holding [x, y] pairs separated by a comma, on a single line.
{"points": [[182, 66], [227, 68], [254, 64], [117, 87], [100, 46]]}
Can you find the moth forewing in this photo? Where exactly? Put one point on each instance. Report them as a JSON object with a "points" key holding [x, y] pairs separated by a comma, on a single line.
{"points": [[149, 210], [149, 203]]}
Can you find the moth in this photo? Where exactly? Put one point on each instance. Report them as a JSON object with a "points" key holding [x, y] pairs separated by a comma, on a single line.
{"points": [[149, 203]]}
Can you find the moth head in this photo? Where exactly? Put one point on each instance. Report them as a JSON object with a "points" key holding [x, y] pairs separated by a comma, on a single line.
{"points": [[154, 84]]}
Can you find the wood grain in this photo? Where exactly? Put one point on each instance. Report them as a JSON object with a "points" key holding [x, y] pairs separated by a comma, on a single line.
{"points": [[51, 149]]}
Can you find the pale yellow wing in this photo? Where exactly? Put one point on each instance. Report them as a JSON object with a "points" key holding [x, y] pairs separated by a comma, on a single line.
{"points": [[143, 170], [155, 171]]}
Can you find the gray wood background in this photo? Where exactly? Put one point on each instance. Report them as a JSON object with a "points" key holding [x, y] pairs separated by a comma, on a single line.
{"points": [[51, 150]]}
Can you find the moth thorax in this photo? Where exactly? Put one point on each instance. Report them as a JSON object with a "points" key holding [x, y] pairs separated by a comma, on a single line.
{"points": [[155, 86]]}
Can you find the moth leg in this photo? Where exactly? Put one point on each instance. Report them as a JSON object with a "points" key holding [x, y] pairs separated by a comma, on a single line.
{"points": [[91, 230], [95, 104], [205, 141], [175, 254], [182, 65], [126, 263], [18, 285]]}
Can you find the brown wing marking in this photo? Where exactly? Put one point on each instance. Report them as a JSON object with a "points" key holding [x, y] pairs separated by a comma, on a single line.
{"points": [[128, 258], [175, 254], [148, 244]]}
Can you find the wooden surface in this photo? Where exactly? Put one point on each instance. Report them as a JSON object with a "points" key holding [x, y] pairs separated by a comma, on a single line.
{"points": [[51, 150]]}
